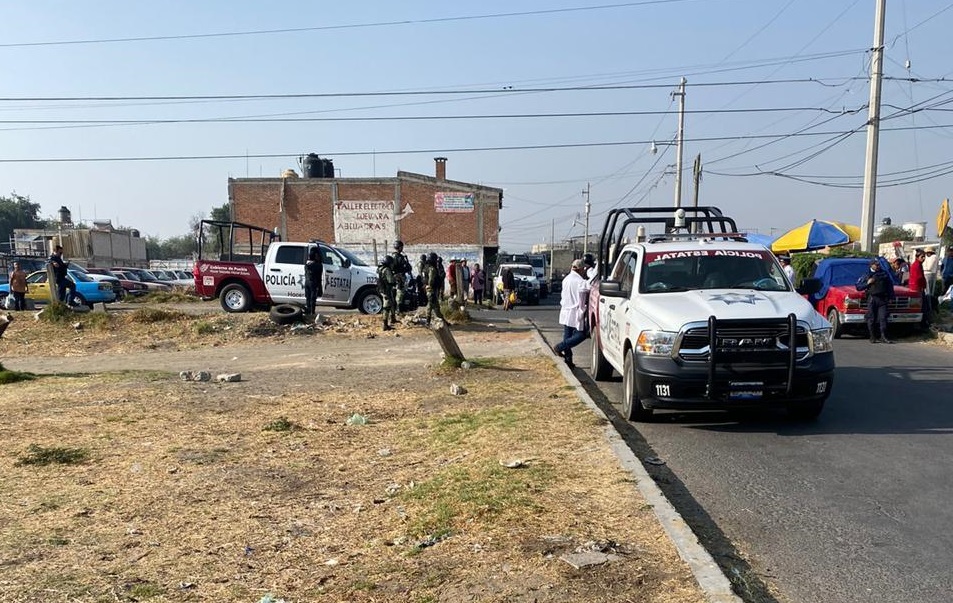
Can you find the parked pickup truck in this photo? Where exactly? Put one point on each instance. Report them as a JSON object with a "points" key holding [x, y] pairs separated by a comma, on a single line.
{"points": [[252, 267], [695, 317], [845, 307]]}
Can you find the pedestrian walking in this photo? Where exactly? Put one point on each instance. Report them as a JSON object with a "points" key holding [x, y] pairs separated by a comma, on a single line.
{"points": [[464, 280], [879, 290], [573, 305], [509, 288], [478, 284], [18, 287]]}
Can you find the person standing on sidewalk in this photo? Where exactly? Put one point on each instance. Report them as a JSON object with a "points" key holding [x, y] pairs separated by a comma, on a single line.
{"points": [[478, 283], [918, 282], [313, 280], [509, 287], [879, 290], [18, 287], [573, 303]]}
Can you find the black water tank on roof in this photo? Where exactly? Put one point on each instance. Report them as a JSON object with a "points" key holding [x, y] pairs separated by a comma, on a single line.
{"points": [[312, 166], [327, 168]]}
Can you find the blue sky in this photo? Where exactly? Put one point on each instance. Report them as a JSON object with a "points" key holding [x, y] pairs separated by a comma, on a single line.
{"points": [[754, 169]]}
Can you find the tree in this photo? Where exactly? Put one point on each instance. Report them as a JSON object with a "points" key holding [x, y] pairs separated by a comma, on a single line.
{"points": [[222, 213], [17, 211], [889, 234]]}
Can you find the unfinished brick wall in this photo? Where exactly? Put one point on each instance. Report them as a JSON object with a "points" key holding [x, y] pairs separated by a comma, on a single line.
{"points": [[308, 207]]}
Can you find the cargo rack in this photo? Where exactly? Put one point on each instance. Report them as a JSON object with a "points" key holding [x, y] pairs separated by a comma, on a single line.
{"points": [[681, 224]]}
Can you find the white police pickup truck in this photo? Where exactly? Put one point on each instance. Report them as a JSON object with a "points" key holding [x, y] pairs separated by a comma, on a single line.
{"points": [[695, 317], [246, 266]]}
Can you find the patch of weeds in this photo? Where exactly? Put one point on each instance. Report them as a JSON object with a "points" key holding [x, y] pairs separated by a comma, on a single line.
{"points": [[57, 541], [202, 457], [280, 424], [453, 429], [58, 455], [153, 315], [363, 584], [460, 495], [14, 376], [454, 314], [57, 312], [141, 590], [451, 363], [204, 327], [165, 297]]}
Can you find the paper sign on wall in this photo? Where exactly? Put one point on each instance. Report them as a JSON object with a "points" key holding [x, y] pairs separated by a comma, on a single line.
{"points": [[453, 203]]}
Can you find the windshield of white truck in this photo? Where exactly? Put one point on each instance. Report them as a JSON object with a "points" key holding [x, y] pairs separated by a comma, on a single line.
{"points": [[711, 269], [355, 261]]}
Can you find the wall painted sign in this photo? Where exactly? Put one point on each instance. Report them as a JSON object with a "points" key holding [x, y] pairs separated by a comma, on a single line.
{"points": [[364, 221], [453, 203]]}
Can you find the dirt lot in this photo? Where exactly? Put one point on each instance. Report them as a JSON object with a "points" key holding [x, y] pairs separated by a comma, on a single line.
{"points": [[123, 482]]}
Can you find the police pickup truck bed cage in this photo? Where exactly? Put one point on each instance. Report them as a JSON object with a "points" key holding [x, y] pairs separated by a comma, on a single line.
{"points": [[234, 241], [683, 223]]}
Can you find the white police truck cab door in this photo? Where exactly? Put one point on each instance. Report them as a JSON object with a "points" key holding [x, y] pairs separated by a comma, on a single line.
{"points": [[337, 277], [284, 277]]}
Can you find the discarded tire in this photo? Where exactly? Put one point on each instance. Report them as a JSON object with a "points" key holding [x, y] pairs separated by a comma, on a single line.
{"points": [[285, 314]]}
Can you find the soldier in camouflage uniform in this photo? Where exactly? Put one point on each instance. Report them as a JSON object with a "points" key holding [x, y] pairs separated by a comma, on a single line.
{"points": [[434, 284], [386, 282], [402, 271]]}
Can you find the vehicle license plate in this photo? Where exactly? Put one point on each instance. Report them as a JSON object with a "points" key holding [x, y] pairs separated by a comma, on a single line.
{"points": [[745, 390]]}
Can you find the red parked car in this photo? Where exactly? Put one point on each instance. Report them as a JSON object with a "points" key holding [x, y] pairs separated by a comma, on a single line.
{"points": [[129, 287], [845, 307]]}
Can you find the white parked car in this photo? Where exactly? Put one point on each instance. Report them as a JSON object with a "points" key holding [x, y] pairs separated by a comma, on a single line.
{"points": [[527, 285]]}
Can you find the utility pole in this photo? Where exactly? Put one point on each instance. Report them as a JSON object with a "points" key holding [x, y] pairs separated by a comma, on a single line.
{"points": [[552, 253], [873, 132], [697, 176], [681, 135], [585, 241]]}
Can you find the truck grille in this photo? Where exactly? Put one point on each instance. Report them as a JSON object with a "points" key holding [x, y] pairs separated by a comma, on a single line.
{"points": [[758, 341], [897, 303]]}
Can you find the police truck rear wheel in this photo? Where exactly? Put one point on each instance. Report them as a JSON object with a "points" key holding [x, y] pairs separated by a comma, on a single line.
{"points": [[370, 302], [632, 409], [235, 298]]}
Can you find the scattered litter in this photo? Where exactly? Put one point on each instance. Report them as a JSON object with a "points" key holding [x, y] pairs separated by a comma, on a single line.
{"points": [[384, 452], [515, 463], [186, 585], [654, 460], [357, 419], [457, 389], [248, 550], [271, 599], [466, 365], [587, 559], [393, 489], [331, 562], [202, 376], [339, 368], [429, 541], [185, 375], [229, 378], [301, 327], [77, 326]]}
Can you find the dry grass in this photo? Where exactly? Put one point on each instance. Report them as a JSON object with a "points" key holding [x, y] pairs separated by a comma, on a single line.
{"points": [[228, 492]]}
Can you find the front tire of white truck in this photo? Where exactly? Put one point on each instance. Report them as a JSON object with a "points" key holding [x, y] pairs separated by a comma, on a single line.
{"points": [[632, 408], [235, 298]]}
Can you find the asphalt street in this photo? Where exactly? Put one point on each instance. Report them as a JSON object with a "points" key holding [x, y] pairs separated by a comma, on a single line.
{"points": [[852, 508]]}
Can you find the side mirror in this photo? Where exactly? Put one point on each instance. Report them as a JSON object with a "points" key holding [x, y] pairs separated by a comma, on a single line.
{"points": [[809, 286], [611, 289], [346, 263]]}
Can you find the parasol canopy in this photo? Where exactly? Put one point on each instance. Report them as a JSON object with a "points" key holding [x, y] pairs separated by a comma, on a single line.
{"points": [[816, 234]]}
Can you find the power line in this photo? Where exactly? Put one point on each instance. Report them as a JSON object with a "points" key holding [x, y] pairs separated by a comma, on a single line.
{"points": [[574, 145], [306, 95], [259, 32]]}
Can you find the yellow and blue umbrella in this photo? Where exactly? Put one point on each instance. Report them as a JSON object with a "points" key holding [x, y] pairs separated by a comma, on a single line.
{"points": [[816, 234]]}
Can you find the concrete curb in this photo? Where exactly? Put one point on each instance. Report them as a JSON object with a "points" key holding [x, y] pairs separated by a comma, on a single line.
{"points": [[713, 582]]}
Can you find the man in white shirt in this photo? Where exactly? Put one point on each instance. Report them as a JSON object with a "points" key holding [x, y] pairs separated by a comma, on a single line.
{"points": [[788, 269], [930, 269], [572, 312]]}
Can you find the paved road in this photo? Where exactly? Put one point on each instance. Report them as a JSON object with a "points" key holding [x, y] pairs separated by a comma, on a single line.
{"points": [[854, 508]]}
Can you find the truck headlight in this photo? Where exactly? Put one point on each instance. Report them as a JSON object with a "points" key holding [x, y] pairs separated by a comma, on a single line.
{"points": [[655, 343], [823, 340], [915, 302], [851, 302]]}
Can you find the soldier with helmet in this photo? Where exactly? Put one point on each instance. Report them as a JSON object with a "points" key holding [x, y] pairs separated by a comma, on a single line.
{"points": [[386, 281], [402, 271], [434, 285]]}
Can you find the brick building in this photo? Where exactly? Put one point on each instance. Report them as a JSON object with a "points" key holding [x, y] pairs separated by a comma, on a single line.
{"points": [[366, 215]]}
